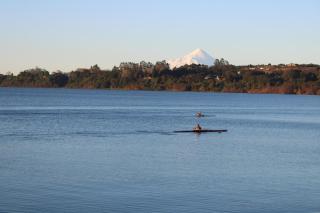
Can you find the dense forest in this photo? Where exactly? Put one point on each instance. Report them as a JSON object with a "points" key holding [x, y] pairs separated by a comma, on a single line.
{"points": [[222, 77]]}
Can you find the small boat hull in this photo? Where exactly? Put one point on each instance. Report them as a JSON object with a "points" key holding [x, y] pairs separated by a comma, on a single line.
{"points": [[202, 131]]}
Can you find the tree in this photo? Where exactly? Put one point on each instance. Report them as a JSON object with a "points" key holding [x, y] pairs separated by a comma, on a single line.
{"points": [[59, 79], [95, 68], [310, 76]]}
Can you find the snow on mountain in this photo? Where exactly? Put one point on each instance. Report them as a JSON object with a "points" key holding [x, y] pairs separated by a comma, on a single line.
{"points": [[197, 56]]}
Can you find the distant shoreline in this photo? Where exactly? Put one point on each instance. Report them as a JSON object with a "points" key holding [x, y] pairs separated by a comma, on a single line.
{"points": [[220, 78], [145, 90]]}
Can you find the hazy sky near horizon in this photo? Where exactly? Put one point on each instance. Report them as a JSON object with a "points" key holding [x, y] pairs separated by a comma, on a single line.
{"points": [[67, 34]]}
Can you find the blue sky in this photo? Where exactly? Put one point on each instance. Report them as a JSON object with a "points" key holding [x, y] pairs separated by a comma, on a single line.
{"points": [[66, 34]]}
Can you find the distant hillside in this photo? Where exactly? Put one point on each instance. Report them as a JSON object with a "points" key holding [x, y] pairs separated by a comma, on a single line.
{"points": [[222, 77]]}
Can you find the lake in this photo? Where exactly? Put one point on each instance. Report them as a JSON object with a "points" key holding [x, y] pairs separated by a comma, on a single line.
{"points": [[64, 150]]}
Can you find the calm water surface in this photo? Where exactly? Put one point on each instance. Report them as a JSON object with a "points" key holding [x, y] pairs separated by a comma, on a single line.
{"points": [[115, 151]]}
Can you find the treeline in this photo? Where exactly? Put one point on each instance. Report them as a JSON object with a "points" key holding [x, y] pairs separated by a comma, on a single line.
{"points": [[222, 77]]}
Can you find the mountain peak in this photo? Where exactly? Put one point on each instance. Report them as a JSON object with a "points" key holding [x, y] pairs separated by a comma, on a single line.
{"points": [[197, 51], [197, 56]]}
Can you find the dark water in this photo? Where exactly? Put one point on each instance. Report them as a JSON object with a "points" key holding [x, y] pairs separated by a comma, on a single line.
{"points": [[114, 151]]}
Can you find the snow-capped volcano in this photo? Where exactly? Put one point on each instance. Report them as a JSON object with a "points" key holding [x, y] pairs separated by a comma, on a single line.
{"points": [[197, 56]]}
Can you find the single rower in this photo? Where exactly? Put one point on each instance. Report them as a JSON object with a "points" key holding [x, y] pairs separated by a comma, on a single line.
{"points": [[197, 128], [199, 114]]}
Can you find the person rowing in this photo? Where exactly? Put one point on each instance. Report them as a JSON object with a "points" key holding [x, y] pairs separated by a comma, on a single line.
{"points": [[199, 114], [197, 127]]}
